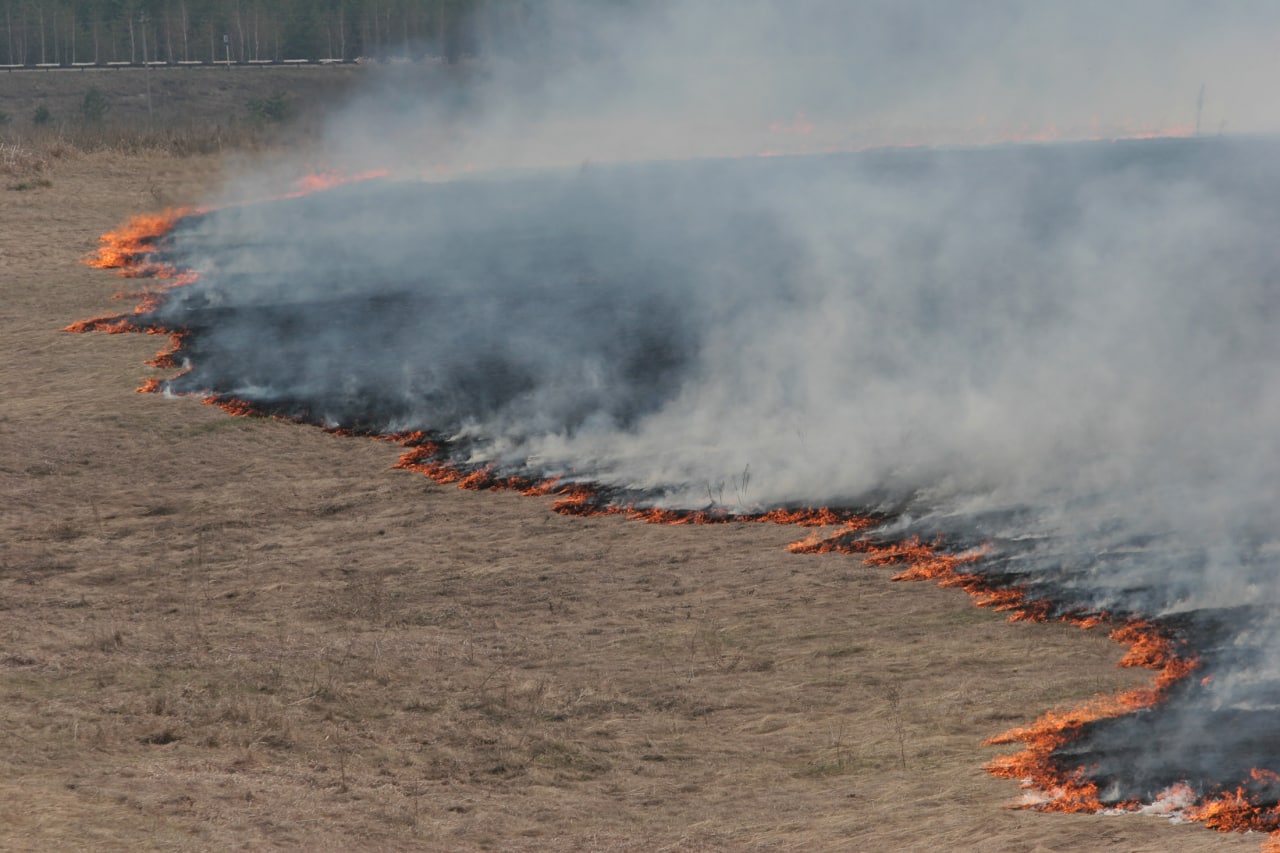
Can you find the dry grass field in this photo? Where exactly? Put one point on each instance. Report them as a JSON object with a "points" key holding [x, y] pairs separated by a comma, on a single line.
{"points": [[223, 633], [180, 97]]}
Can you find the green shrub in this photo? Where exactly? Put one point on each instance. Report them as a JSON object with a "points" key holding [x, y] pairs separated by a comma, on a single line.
{"points": [[94, 106], [275, 108], [42, 115], [32, 184]]}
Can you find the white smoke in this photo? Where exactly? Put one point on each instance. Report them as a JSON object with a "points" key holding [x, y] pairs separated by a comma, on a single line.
{"points": [[1067, 350], [579, 81]]}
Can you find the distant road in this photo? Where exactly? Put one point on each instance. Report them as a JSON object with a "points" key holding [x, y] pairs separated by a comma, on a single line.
{"points": [[110, 66]]}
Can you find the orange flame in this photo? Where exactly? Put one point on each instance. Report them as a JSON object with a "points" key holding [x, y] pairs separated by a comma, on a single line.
{"points": [[1236, 811], [110, 325], [425, 457], [236, 408], [328, 179], [123, 248], [168, 357]]}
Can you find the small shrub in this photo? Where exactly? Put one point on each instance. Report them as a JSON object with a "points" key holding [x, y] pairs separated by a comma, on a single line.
{"points": [[276, 108], [94, 106], [42, 116], [35, 184], [4, 118]]}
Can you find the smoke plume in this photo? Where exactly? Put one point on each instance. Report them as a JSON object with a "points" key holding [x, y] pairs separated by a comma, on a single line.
{"points": [[1064, 351]]}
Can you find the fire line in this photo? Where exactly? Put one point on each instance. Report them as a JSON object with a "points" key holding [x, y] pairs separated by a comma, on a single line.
{"points": [[1052, 785]]}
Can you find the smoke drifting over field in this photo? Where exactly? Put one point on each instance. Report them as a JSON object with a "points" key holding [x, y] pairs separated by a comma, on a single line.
{"points": [[577, 81], [1065, 351]]}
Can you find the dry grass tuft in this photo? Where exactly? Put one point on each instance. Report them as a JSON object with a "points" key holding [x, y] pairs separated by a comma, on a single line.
{"points": [[18, 160], [35, 151], [175, 140]]}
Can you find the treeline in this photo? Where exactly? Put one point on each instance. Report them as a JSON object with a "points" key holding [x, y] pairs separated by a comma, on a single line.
{"points": [[64, 32]]}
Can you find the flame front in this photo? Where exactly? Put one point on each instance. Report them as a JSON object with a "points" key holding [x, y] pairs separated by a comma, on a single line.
{"points": [[126, 248], [324, 179], [132, 249]]}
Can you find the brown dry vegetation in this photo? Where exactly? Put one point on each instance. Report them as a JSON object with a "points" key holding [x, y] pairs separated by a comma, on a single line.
{"points": [[221, 633], [180, 97]]}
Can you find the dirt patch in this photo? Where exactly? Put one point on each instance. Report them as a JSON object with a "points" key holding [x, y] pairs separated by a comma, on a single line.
{"points": [[221, 632]]}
